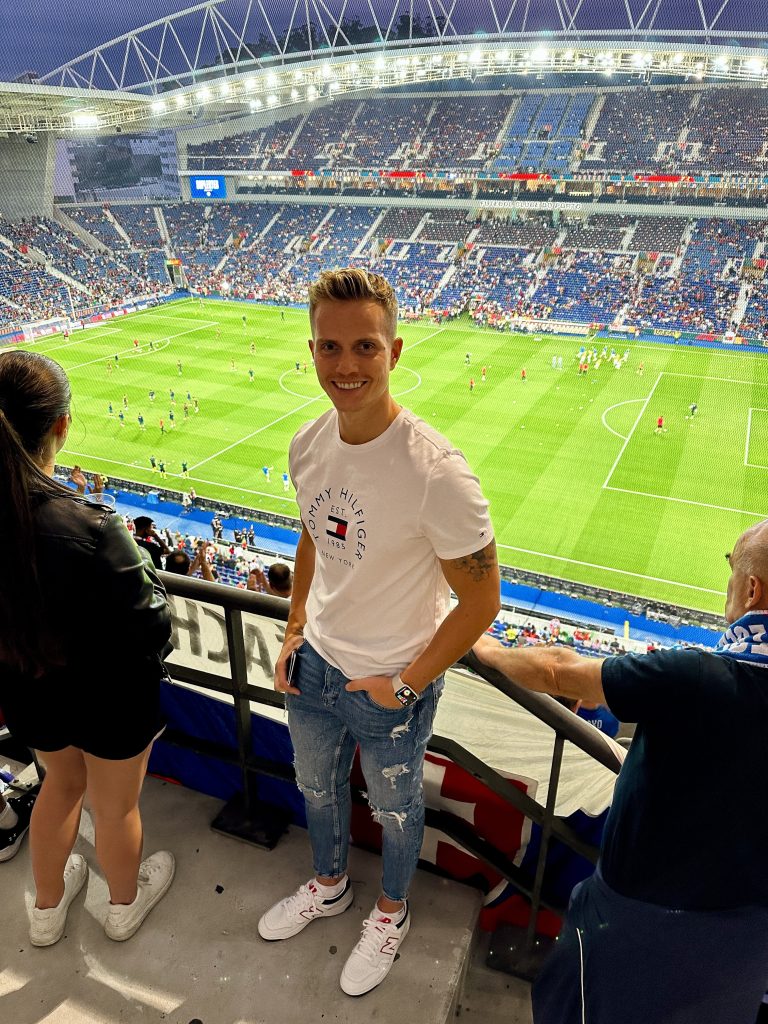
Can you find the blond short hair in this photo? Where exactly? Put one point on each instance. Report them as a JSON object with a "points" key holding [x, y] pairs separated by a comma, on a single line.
{"points": [[353, 283]]}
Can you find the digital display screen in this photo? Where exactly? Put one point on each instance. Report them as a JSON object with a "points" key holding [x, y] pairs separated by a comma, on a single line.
{"points": [[208, 186]]}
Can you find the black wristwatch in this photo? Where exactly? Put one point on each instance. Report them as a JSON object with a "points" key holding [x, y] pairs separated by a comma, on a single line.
{"points": [[403, 692]]}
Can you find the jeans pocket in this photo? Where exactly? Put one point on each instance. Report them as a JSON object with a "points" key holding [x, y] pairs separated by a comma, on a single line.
{"points": [[380, 707]]}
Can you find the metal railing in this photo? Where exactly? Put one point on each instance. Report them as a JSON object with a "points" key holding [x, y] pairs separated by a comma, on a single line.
{"points": [[248, 817]]}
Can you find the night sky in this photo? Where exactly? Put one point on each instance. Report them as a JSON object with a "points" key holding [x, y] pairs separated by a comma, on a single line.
{"points": [[39, 35]]}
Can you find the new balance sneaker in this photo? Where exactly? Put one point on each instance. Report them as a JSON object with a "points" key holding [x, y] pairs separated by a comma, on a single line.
{"points": [[155, 877], [10, 838], [47, 926], [372, 958], [293, 914]]}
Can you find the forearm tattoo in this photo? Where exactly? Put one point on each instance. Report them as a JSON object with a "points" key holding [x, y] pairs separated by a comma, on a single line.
{"points": [[480, 564]]}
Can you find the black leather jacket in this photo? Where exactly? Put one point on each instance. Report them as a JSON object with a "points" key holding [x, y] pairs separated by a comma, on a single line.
{"points": [[105, 607]]}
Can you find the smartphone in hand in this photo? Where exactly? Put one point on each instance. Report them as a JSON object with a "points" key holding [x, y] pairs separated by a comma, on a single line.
{"points": [[291, 666]]}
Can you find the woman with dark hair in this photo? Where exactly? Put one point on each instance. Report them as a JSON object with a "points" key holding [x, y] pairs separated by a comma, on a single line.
{"points": [[84, 626]]}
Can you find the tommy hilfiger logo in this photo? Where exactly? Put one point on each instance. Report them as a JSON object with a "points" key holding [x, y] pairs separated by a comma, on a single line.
{"points": [[339, 531]]}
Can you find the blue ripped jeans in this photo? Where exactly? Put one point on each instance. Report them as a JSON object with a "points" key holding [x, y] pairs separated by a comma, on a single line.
{"points": [[326, 724]]}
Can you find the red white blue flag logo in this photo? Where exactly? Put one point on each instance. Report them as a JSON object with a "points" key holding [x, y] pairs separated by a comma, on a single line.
{"points": [[339, 528]]}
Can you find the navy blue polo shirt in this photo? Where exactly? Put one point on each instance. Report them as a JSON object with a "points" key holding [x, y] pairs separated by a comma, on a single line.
{"points": [[688, 826]]}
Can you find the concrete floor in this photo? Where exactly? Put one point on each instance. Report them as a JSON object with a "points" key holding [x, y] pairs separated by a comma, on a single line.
{"points": [[198, 959]]}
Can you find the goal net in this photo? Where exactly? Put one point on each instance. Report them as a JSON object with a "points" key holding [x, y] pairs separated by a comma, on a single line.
{"points": [[42, 328]]}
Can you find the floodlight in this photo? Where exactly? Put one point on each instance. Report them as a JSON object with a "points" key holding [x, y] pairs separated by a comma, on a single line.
{"points": [[334, 87], [272, 99], [461, 58], [476, 57], [271, 78], [637, 60], [311, 93], [250, 84], [540, 54], [353, 69], [755, 66], [294, 94], [569, 55], [381, 63], [678, 58], [158, 107], [299, 76], [326, 71], [224, 89], [501, 56], [85, 120], [203, 94], [721, 63]]}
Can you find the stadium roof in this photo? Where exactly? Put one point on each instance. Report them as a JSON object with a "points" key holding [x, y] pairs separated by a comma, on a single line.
{"points": [[234, 54]]}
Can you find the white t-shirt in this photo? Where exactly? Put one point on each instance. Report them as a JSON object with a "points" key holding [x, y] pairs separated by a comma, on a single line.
{"points": [[380, 515]]}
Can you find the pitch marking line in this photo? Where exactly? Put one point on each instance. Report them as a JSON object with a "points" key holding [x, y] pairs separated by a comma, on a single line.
{"points": [[129, 351], [751, 465], [253, 433], [689, 501], [634, 427], [724, 380], [610, 568], [630, 401]]}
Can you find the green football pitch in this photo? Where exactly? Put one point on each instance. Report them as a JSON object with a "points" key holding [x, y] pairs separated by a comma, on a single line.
{"points": [[581, 486]]}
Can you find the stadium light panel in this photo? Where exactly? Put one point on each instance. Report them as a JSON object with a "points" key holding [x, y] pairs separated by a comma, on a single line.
{"points": [[380, 63], [326, 71], [203, 94], [353, 69], [85, 120], [678, 58], [299, 76], [311, 93], [271, 78], [181, 101], [755, 66], [569, 55], [271, 99], [250, 84], [721, 63], [501, 56], [461, 58], [158, 107], [540, 54], [224, 89], [294, 94], [334, 86], [476, 57]]}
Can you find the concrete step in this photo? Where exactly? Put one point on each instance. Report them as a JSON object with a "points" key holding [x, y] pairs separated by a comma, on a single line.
{"points": [[198, 955]]}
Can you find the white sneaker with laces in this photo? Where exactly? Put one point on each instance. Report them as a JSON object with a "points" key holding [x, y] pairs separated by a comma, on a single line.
{"points": [[293, 914], [47, 926], [155, 877], [372, 958]]}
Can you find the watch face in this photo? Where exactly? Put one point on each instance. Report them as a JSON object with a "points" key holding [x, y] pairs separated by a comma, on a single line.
{"points": [[407, 696]]}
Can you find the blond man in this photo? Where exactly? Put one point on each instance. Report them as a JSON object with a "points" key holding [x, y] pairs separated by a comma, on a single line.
{"points": [[393, 520]]}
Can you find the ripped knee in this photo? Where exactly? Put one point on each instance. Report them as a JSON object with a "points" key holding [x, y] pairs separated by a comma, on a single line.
{"points": [[313, 794]]}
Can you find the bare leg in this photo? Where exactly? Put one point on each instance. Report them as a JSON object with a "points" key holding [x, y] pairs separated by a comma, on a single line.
{"points": [[55, 821], [113, 795]]}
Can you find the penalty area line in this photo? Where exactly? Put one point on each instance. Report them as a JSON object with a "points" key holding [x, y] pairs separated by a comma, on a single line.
{"points": [[613, 569]]}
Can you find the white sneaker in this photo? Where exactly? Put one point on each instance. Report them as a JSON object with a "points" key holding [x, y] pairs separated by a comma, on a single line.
{"points": [[293, 914], [47, 926], [371, 960], [155, 877]]}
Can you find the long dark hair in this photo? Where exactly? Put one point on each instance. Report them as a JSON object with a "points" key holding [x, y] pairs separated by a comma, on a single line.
{"points": [[34, 394]]}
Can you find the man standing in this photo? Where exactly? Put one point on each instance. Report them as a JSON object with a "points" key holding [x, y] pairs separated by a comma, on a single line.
{"points": [[146, 536], [673, 926], [392, 520]]}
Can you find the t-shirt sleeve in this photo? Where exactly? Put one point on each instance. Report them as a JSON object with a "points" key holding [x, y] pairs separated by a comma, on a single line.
{"points": [[454, 515], [641, 687]]}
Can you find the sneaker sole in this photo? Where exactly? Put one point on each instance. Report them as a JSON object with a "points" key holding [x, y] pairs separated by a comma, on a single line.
{"points": [[55, 938], [124, 936], [275, 937]]}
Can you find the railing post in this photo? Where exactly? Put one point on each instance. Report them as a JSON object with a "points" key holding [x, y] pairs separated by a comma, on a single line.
{"points": [[513, 950], [245, 816]]}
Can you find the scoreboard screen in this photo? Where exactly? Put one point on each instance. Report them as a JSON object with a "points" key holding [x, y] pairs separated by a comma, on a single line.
{"points": [[207, 186]]}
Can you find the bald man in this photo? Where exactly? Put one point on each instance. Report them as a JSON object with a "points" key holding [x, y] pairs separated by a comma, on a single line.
{"points": [[673, 926]]}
